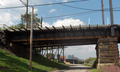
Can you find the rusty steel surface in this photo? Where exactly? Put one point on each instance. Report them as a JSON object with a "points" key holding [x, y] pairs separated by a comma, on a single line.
{"points": [[61, 36]]}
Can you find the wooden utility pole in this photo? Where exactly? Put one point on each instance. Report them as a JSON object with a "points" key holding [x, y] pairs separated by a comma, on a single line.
{"points": [[111, 12], [27, 14], [102, 11], [41, 22], [111, 16], [31, 38]]}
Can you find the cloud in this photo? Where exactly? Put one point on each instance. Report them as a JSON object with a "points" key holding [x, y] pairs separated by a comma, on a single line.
{"points": [[52, 10], [30, 10], [46, 24], [5, 17], [65, 22], [65, 1], [68, 22], [10, 16], [82, 52], [11, 3]]}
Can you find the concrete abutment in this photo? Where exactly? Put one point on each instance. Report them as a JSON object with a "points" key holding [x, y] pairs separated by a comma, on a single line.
{"points": [[107, 52]]}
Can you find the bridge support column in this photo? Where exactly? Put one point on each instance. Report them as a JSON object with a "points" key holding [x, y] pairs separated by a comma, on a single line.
{"points": [[63, 55], [47, 52], [52, 54], [42, 51], [58, 55], [107, 52]]}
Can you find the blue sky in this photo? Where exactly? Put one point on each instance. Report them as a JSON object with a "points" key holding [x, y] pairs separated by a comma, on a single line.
{"points": [[12, 17]]}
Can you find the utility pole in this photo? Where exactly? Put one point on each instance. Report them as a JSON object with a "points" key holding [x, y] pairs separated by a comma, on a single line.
{"points": [[111, 12], [111, 16], [41, 22], [102, 11], [31, 37], [27, 14]]}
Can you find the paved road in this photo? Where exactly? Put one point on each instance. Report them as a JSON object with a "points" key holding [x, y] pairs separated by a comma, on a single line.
{"points": [[75, 68]]}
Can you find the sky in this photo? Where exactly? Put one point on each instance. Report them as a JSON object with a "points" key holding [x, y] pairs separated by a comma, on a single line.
{"points": [[82, 12]]}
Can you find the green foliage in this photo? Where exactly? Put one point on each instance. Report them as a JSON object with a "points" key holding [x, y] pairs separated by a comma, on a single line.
{"points": [[90, 60], [20, 26], [13, 27], [94, 70], [102, 70], [50, 55], [78, 62], [0, 29], [35, 19], [87, 65], [10, 63]]}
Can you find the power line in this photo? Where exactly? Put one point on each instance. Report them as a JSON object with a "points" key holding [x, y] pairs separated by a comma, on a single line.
{"points": [[76, 7], [71, 14], [42, 4], [23, 3], [59, 3], [79, 13], [6, 6], [13, 7], [87, 8]]}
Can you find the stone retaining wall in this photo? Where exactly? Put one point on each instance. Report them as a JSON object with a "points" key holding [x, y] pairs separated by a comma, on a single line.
{"points": [[107, 51]]}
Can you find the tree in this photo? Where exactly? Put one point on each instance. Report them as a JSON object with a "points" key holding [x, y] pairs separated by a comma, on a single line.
{"points": [[90, 60], [13, 27], [21, 25], [0, 29], [50, 55], [36, 20]]}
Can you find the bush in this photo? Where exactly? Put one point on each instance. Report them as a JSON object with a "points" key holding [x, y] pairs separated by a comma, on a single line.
{"points": [[90, 60], [78, 62]]}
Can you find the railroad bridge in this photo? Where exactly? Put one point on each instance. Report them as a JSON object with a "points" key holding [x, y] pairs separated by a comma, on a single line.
{"points": [[105, 37]]}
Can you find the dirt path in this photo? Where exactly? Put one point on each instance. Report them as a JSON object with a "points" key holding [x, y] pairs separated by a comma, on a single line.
{"points": [[75, 68]]}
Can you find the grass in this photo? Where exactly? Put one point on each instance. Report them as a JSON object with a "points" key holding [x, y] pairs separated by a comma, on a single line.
{"points": [[102, 70], [94, 70], [87, 65], [13, 63]]}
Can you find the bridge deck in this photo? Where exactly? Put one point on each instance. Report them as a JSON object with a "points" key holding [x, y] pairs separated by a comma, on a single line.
{"points": [[60, 36]]}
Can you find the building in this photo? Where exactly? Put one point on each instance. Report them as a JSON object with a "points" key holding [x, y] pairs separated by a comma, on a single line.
{"points": [[71, 56]]}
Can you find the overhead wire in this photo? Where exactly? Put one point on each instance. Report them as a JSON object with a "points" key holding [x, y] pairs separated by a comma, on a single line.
{"points": [[87, 8], [59, 3], [6, 6], [70, 14], [76, 7], [48, 19], [43, 4], [23, 3], [13, 7], [78, 13]]}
